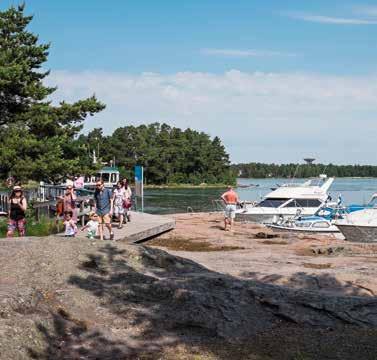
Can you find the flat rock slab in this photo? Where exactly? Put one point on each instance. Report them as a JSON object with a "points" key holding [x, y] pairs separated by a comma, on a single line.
{"points": [[141, 227]]}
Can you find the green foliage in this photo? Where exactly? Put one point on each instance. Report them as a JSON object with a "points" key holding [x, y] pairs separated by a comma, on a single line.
{"points": [[37, 139], [259, 170], [43, 227], [168, 154]]}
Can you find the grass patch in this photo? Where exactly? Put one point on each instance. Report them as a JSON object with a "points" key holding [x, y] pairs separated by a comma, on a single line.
{"points": [[264, 235], [317, 266], [43, 227], [181, 244], [274, 242], [323, 251]]}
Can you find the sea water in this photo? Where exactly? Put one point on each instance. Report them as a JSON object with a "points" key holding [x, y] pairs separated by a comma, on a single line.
{"points": [[167, 201]]}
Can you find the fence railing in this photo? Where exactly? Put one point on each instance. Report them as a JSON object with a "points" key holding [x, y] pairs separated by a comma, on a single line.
{"points": [[44, 198]]}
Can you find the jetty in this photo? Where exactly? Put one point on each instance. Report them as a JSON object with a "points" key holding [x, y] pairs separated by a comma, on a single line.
{"points": [[141, 227]]}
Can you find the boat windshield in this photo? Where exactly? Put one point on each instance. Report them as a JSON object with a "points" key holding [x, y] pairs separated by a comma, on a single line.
{"points": [[272, 203], [304, 203], [373, 201], [316, 182]]}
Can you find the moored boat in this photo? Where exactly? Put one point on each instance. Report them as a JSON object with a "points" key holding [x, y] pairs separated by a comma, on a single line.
{"points": [[287, 201], [308, 225], [359, 226]]}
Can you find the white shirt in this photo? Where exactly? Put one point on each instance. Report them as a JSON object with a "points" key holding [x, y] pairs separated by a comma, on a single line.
{"points": [[119, 196], [92, 225]]}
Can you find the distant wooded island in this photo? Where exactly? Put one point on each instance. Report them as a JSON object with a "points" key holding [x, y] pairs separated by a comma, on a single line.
{"points": [[169, 155], [261, 170]]}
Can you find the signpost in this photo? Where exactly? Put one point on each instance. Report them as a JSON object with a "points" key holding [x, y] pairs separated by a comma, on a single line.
{"points": [[139, 184]]}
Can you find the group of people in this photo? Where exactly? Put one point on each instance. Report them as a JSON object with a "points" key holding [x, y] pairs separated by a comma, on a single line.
{"points": [[108, 203]]}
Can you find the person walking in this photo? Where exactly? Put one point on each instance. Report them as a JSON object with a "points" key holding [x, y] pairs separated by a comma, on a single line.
{"points": [[127, 203], [231, 200], [69, 202], [119, 198], [70, 227], [17, 212], [104, 208]]}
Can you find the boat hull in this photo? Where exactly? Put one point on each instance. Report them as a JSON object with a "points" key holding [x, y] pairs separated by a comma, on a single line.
{"points": [[356, 233], [304, 231], [257, 218], [268, 218]]}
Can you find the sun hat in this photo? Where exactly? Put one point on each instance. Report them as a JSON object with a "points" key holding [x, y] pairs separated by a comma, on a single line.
{"points": [[17, 188]]}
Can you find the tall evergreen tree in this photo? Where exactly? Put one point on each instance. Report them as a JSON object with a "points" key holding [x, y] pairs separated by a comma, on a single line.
{"points": [[37, 138]]}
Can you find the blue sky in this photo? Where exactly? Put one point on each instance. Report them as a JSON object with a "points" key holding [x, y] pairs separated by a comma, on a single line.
{"points": [[276, 80]]}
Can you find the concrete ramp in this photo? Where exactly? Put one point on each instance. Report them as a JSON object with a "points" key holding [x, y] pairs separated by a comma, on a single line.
{"points": [[142, 227]]}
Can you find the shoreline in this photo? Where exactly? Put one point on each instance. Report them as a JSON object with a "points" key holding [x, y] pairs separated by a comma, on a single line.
{"points": [[186, 186]]}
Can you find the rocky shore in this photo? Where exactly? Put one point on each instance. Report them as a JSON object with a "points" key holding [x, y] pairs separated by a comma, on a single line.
{"points": [[196, 292]]}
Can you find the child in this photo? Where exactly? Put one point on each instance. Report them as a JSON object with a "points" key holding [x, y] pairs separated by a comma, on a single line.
{"points": [[92, 225], [69, 224]]}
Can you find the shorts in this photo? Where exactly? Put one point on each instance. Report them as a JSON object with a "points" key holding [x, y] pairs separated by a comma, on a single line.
{"points": [[104, 219], [91, 234], [18, 225], [230, 211], [118, 210]]}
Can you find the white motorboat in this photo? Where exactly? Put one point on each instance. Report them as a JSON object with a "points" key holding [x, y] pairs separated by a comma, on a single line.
{"points": [[307, 225], [359, 226], [287, 201]]}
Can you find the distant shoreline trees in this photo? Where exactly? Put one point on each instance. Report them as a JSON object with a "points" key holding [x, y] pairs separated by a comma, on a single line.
{"points": [[169, 155], [261, 170]]}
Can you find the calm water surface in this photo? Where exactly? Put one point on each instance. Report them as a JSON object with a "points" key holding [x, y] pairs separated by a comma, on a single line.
{"points": [[167, 201]]}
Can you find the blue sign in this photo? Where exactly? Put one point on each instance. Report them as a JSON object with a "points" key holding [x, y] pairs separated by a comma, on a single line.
{"points": [[138, 173], [139, 180]]}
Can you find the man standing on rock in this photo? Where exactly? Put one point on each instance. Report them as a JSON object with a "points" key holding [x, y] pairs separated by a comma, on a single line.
{"points": [[230, 198], [104, 207]]}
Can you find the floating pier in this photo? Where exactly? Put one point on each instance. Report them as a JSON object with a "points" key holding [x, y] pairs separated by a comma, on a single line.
{"points": [[141, 227]]}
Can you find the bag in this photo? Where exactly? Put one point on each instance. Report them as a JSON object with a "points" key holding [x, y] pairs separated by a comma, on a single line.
{"points": [[59, 208], [127, 203]]}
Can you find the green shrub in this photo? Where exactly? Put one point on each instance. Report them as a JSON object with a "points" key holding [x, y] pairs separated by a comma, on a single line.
{"points": [[43, 227]]}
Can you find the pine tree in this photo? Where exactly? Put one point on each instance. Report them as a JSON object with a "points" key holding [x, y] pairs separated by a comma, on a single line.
{"points": [[37, 138]]}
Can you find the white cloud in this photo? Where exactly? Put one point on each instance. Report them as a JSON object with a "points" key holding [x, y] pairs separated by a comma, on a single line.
{"points": [[237, 53], [330, 19], [259, 116], [367, 10]]}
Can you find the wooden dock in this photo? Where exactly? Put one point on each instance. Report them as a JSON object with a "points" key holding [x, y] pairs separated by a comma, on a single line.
{"points": [[142, 227]]}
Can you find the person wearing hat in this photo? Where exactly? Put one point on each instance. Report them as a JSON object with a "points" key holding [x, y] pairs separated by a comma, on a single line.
{"points": [[16, 213], [230, 198]]}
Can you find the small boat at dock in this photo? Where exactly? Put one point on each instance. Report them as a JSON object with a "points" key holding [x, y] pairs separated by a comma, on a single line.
{"points": [[359, 226], [287, 200], [307, 225]]}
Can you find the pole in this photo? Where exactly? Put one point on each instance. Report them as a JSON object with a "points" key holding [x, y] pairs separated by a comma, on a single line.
{"points": [[142, 189]]}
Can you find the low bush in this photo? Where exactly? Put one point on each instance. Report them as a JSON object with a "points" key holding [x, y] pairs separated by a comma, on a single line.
{"points": [[43, 227]]}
